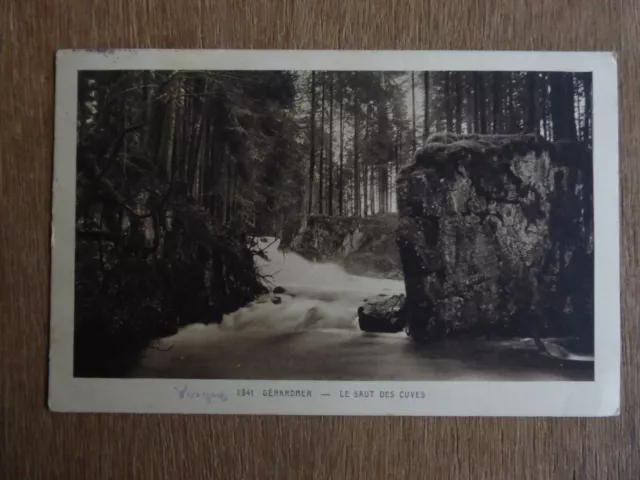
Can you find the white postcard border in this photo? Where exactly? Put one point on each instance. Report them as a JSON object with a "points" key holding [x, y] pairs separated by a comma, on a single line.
{"points": [[600, 397]]}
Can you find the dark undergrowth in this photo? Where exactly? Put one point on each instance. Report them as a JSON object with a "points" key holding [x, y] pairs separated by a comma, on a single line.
{"points": [[129, 293]]}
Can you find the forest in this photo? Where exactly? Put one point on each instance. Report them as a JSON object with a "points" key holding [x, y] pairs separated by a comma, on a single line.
{"points": [[179, 171], [364, 126]]}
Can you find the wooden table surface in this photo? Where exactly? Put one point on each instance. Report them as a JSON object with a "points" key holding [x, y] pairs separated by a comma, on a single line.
{"points": [[39, 445]]}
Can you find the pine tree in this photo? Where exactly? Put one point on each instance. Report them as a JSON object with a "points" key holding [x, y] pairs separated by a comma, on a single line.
{"points": [[448, 104], [588, 106], [427, 106], [312, 141], [341, 172], [330, 150], [562, 106], [321, 185], [458, 101], [497, 85], [413, 110], [532, 119]]}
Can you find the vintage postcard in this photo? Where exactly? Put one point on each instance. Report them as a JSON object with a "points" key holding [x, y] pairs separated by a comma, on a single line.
{"points": [[336, 233]]}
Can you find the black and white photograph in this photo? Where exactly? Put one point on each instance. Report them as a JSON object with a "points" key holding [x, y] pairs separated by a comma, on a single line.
{"points": [[344, 225]]}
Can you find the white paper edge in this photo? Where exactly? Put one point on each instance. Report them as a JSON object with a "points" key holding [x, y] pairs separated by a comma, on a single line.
{"points": [[450, 398]]}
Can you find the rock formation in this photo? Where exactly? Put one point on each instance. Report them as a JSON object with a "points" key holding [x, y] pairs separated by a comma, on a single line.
{"points": [[363, 246], [496, 234], [382, 314]]}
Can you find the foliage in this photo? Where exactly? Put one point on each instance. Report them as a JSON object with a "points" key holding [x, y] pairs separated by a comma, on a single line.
{"points": [[174, 170]]}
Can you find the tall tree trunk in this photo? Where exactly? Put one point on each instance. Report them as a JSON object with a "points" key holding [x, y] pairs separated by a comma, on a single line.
{"points": [[321, 185], [476, 102], [427, 97], [365, 187], [149, 95], [382, 202], [231, 195], [348, 207], [532, 117], [571, 114], [208, 179], [389, 191], [413, 109], [351, 200], [200, 157], [341, 173], [186, 130], [312, 141], [356, 166], [588, 106], [330, 150], [562, 106], [169, 136], [213, 152], [365, 166], [384, 188], [496, 101], [458, 90], [579, 118], [511, 112], [545, 108], [447, 101], [199, 117], [577, 115], [372, 190], [197, 105], [226, 180], [181, 139], [397, 156], [482, 105]]}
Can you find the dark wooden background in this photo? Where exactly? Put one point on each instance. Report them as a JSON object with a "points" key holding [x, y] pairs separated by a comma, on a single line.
{"points": [[39, 445]]}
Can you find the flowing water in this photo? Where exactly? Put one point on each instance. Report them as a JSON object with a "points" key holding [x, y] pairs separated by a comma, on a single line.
{"points": [[313, 334], [317, 296]]}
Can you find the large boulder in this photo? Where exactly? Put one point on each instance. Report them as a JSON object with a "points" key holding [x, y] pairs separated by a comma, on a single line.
{"points": [[496, 234]]}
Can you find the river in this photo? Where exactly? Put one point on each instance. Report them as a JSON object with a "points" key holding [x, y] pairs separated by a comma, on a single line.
{"points": [[313, 335]]}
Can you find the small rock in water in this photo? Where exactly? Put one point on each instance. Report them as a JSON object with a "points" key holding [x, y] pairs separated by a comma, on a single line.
{"points": [[384, 315], [278, 290], [312, 316], [276, 300]]}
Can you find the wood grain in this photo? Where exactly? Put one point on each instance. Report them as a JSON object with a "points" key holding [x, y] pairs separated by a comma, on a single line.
{"points": [[39, 445]]}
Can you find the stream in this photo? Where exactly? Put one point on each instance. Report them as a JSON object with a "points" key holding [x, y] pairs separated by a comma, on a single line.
{"points": [[313, 334]]}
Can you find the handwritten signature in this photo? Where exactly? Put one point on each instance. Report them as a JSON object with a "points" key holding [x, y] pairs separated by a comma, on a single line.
{"points": [[194, 395]]}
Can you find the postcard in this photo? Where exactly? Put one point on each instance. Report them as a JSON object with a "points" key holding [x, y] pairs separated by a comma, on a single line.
{"points": [[406, 233]]}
